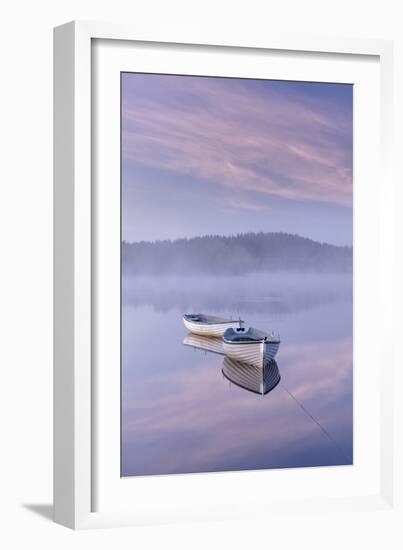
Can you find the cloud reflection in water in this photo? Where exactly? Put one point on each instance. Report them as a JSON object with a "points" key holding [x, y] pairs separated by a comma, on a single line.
{"points": [[180, 413]]}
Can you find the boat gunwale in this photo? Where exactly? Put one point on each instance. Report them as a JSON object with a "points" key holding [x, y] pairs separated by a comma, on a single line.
{"points": [[265, 340], [223, 322]]}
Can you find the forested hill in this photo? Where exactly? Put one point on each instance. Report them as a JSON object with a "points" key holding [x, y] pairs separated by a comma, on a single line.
{"points": [[238, 254]]}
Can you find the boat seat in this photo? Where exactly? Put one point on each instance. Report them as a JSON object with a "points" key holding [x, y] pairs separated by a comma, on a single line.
{"points": [[195, 317], [244, 335]]}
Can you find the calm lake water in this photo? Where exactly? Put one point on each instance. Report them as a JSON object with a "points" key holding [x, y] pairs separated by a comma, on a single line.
{"points": [[180, 414]]}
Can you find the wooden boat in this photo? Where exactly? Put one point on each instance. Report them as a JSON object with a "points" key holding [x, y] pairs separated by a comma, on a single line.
{"points": [[206, 343], [250, 377], [250, 345], [208, 325]]}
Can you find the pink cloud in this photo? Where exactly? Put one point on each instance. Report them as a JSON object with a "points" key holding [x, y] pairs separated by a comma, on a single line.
{"points": [[273, 144]]}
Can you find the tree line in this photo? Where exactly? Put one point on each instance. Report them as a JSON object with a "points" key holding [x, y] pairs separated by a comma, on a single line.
{"points": [[235, 254]]}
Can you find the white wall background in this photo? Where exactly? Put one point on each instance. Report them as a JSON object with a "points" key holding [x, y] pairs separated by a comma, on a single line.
{"points": [[26, 254]]}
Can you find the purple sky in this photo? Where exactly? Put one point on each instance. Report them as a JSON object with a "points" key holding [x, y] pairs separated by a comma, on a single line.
{"points": [[205, 155]]}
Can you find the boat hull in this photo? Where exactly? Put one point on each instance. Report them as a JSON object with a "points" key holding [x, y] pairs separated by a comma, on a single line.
{"points": [[206, 329], [252, 353]]}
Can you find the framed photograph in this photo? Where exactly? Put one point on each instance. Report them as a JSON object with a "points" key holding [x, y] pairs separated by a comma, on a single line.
{"points": [[224, 279]]}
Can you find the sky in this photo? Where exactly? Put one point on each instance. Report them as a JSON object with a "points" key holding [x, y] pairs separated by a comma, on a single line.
{"points": [[208, 155]]}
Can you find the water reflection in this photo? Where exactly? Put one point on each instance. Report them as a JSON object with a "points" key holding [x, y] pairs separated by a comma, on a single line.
{"points": [[180, 414], [277, 294], [205, 343], [249, 377]]}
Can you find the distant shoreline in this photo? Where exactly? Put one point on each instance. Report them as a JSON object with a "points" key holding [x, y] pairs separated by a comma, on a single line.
{"points": [[240, 254]]}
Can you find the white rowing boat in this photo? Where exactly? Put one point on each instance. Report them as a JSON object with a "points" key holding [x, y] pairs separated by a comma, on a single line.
{"points": [[250, 345], [250, 377], [208, 325]]}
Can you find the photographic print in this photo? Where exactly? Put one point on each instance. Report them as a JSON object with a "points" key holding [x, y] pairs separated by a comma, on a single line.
{"points": [[236, 274]]}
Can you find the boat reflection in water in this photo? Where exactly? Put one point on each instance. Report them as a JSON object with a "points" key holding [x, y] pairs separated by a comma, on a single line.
{"points": [[205, 343], [256, 379], [250, 377]]}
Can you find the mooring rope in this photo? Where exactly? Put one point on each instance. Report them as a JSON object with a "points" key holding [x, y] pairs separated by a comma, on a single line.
{"points": [[322, 428]]}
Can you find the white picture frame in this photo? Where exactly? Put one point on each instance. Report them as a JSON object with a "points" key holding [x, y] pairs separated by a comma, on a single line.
{"points": [[77, 424]]}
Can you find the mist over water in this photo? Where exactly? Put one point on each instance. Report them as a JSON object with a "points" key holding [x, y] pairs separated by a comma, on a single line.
{"points": [[271, 294], [181, 414]]}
